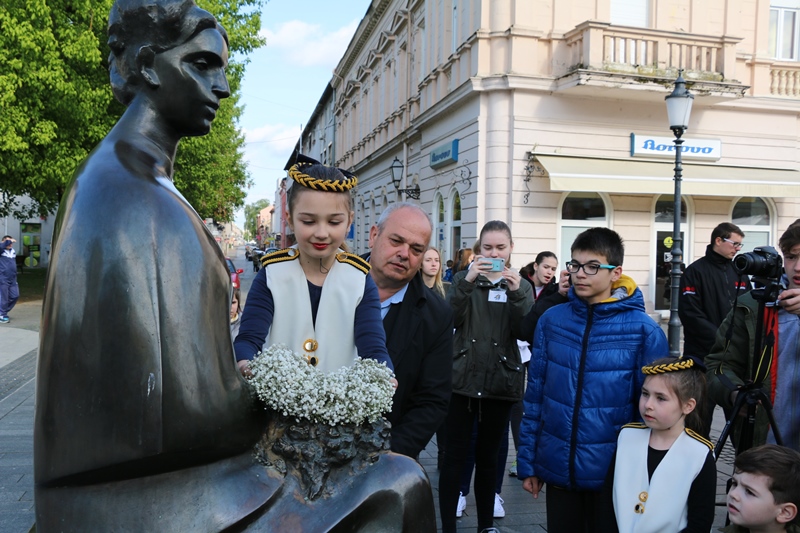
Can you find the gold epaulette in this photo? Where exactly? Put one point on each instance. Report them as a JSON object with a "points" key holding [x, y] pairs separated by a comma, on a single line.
{"points": [[287, 254], [635, 425], [696, 436], [354, 260]]}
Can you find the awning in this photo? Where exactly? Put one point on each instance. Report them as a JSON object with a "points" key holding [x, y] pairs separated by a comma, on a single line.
{"points": [[572, 173]]}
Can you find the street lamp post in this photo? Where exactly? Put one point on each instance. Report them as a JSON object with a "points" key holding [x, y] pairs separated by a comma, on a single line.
{"points": [[679, 107]]}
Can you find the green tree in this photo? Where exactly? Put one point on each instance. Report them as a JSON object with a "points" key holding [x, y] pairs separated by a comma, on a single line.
{"points": [[251, 212], [55, 100], [56, 105]]}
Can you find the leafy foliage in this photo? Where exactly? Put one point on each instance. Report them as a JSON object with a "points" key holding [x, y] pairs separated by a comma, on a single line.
{"points": [[251, 212], [56, 105]]}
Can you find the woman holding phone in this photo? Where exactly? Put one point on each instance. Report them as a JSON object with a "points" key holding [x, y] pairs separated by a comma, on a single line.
{"points": [[489, 301]]}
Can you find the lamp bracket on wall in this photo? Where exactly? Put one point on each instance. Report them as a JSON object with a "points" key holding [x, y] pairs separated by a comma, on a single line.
{"points": [[531, 167], [461, 174]]}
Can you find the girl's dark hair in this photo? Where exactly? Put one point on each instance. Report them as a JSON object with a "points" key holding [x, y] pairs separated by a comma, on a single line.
{"points": [[687, 384], [544, 255], [528, 270], [321, 172], [237, 293], [495, 225]]}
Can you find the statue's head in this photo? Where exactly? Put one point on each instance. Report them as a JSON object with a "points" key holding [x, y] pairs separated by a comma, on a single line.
{"points": [[175, 53]]}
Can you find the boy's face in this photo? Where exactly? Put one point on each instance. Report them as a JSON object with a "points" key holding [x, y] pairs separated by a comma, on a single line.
{"points": [[791, 265], [751, 504], [595, 288]]}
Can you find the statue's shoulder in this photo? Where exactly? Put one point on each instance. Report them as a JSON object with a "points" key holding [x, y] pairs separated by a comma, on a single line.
{"points": [[354, 261], [279, 256]]}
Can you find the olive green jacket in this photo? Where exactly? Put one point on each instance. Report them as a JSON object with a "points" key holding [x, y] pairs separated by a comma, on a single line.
{"points": [[736, 362]]}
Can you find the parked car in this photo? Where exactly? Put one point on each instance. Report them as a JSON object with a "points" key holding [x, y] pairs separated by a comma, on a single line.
{"points": [[234, 273]]}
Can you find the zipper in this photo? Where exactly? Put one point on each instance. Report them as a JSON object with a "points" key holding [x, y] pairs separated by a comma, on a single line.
{"points": [[578, 397]]}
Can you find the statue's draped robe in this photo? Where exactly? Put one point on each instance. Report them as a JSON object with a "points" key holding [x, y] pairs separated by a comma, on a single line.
{"points": [[136, 367]]}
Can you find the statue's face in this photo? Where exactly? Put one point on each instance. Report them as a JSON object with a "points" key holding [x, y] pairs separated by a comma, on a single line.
{"points": [[192, 82]]}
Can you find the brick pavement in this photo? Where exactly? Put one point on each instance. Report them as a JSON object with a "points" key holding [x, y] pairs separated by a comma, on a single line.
{"points": [[523, 514]]}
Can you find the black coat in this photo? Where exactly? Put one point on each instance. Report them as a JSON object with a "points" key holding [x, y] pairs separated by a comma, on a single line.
{"points": [[708, 289], [419, 336]]}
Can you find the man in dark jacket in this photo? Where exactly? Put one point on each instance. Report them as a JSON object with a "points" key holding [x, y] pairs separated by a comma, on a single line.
{"points": [[708, 289], [9, 290], [418, 324]]}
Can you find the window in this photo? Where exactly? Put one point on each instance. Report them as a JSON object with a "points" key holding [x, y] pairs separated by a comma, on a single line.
{"points": [[753, 218], [439, 226], [455, 227], [783, 30], [630, 13], [663, 222], [580, 211]]}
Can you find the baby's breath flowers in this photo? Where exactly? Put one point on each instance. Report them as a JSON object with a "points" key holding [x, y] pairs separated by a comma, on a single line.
{"points": [[356, 394]]}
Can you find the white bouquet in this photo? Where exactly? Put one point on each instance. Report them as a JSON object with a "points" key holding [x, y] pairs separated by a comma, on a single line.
{"points": [[286, 382]]}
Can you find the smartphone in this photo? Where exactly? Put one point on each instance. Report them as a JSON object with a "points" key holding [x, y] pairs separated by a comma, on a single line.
{"points": [[498, 264]]}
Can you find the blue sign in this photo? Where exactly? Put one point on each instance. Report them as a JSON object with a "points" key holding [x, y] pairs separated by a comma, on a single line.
{"points": [[445, 154]]}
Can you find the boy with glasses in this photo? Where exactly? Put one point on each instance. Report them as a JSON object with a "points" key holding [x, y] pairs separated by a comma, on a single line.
{"points": [[708, 290], [584, 381]]}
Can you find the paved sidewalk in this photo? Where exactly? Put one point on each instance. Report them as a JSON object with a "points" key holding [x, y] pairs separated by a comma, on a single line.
{"points": [[19, 345]]}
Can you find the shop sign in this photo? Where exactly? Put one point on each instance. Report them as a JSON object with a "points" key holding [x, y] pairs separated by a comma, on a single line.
{"points": [[445, 154], [650, 146]]}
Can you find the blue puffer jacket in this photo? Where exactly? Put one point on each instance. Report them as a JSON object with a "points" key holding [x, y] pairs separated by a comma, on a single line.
{"points": [[588, 356]]}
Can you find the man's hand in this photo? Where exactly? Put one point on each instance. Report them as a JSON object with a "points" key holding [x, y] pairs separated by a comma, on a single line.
{"points": [[563, 283], [533, 485], [790, 301]]}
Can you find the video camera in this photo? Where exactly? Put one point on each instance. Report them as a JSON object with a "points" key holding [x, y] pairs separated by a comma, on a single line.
{"points": [[765, 265]]}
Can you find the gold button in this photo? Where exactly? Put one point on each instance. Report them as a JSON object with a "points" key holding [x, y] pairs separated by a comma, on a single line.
{"points": [[310, 345], [643, 496], [313, 360], [639, 509]]}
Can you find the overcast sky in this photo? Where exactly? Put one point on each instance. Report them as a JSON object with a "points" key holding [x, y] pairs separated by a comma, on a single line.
{"points": [[285, 80]]}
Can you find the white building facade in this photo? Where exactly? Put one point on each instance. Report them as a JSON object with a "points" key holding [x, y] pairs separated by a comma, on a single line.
{"points": [[551, 117]]}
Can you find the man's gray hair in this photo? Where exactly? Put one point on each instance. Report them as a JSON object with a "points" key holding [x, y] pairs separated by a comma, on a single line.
{"points": [[401, 205]]}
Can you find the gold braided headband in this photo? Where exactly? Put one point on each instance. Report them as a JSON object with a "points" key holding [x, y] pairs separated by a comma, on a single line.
{"points": [[347, 183], [680, 364]]}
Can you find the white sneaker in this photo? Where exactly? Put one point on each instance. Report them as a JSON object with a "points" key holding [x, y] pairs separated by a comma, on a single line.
{"points": [[462, 504], [499, 512]]}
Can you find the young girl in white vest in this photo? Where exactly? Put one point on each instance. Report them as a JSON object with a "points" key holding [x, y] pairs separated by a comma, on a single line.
{"points": [[664, 477], [315, 297]]}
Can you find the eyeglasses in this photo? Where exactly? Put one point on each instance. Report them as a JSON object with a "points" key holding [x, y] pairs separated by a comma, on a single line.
{"points": [[737, 245], [589, 268]]}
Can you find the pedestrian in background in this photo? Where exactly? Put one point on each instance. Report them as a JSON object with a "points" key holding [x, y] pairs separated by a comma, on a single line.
{"points": [[431, 270], [9, 289], [236, 312]]}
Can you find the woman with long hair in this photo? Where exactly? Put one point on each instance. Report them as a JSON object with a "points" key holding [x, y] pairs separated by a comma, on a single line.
{"points": [[489, 300], [431, 270]]}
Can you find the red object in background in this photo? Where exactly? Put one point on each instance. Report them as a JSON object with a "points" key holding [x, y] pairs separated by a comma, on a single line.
{"points": [[234, 273]]}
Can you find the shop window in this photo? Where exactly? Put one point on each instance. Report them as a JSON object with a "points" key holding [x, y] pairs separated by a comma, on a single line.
{"points": [[663, 219], [580, 210], [752, 215], [455, 225]]}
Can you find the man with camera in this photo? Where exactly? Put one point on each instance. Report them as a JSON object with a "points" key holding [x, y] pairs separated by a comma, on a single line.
{"points": [[732, 365]]}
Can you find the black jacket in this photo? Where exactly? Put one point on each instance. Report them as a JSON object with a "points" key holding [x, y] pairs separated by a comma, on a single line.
{"points": [[419, 336], [542, 304], [708, 288]]}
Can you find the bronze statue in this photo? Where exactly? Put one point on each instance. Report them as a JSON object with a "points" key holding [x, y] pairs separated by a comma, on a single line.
{"points": [[143, 421]]}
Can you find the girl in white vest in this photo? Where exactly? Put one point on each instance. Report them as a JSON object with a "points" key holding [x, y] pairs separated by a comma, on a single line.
{"points": [[314, 297], [664, 478]]}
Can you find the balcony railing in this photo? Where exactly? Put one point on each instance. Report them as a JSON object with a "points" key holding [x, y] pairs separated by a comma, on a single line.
{"points": [[784, 80], [602, 46]]}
